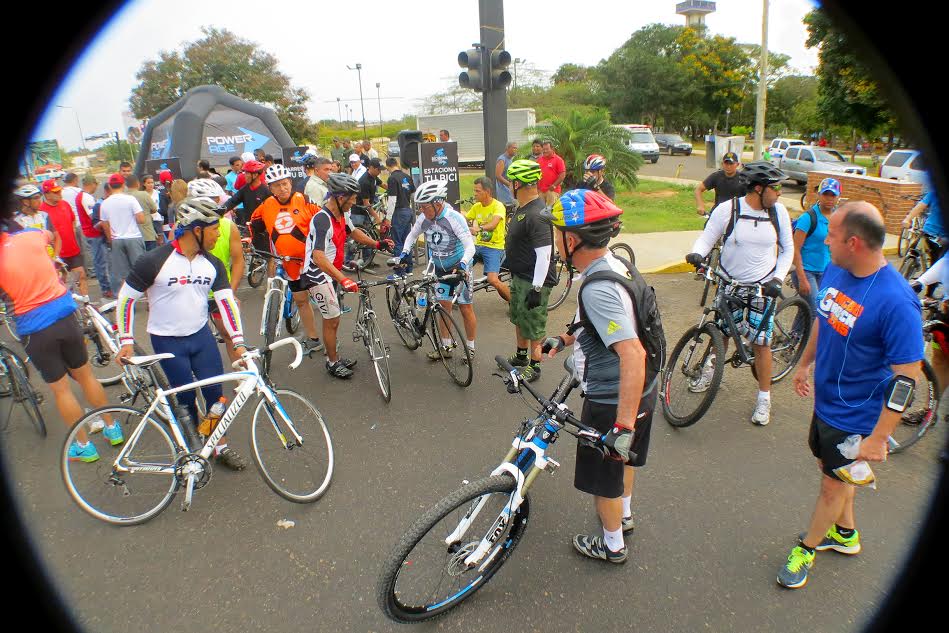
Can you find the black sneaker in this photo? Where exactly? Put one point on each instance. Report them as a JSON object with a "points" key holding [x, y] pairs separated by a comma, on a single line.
{"points": [[530, 373], [346, 362], [338, 370], [517, 361], [230, 458], [594, 547]]}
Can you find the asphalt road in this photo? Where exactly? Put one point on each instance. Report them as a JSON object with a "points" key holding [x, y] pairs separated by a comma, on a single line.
{"points": [[693, 167], [717, 507]]}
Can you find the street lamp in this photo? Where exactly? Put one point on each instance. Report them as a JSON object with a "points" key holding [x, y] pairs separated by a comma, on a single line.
{"points": [[379, 100], [362, 105], [82, 140], [349, 116], [339, 110]]}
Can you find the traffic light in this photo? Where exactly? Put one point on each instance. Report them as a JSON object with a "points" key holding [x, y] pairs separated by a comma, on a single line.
{"points": [[500, 75], [473, 78]]}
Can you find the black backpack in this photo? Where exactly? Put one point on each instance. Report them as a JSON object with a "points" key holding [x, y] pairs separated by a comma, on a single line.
{"points": [[811, 212], [736, 215], [645, 309]]}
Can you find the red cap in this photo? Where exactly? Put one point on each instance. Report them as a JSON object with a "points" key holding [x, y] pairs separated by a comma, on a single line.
{"points": [[51, 185], [253, 166], [116, 179], [165, 175]]}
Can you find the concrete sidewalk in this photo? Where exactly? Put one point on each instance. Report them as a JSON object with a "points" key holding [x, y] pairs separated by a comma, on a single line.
{"points": [[665, 252]]}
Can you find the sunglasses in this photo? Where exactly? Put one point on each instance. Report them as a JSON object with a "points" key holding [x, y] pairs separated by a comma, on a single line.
{"points": [[776, 188]]}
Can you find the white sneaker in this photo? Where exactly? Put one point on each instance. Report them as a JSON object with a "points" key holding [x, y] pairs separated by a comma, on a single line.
{"points": [[96, 425], [762, 414], [705, 380]]}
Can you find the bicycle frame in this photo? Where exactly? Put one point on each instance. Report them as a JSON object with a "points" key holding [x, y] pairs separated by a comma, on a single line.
{"points": [[722, 305], [278, 289]]}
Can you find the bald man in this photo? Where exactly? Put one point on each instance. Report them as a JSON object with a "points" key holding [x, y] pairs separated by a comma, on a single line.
{"points": [[865, 349]]}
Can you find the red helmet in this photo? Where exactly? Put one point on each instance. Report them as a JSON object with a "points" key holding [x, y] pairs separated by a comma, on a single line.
{"points": [[253, 167]]}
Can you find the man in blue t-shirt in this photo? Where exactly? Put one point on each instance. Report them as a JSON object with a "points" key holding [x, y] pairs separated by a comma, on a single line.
{"points": [[811, 255], [934, 232], [867, 343]]}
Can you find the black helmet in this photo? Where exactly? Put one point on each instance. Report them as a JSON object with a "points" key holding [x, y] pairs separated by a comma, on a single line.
{"points": [[310, 161], [761, 172], [342, 184]]}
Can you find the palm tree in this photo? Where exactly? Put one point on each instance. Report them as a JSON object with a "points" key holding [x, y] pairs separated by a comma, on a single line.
{"points": [[580, 134]]}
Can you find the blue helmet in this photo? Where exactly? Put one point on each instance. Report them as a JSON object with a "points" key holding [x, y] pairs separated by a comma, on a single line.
{"points": [[831, 185]]}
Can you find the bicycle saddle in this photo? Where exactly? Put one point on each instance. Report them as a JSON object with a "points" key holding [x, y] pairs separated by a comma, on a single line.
{"points": [[145, 361]]}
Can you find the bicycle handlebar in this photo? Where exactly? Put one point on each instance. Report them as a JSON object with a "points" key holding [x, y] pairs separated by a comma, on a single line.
{"points": [[285, 258], [255, 353], [559, 411]]}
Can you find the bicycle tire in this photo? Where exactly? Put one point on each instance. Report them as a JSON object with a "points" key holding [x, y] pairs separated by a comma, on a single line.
{"points": [[372, 232], [462, 377], [558, 294], [6, 390], [400, 564], [623, 251], [789, 337], [23, 392], [10, 324], [915, 422], [323, 470], [154, 442], [713, 258], [256, 271], [903, 243], [103, 366], [292, 322], [274, 308], [909, 267], [402, 319], [684, 418], [804, 200], [379, 354]]}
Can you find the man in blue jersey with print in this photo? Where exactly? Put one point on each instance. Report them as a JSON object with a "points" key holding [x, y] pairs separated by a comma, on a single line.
{"points": [[865, 351]]}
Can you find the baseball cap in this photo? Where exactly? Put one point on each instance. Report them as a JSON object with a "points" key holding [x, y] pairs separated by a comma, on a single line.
{"points": [[831, 185], [50, 185], [165, 175], [246, 156], [730, 157], [375, 162], [354, 158], [116, 179]]}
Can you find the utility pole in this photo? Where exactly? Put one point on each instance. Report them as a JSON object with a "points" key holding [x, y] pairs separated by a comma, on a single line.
{"points": [[82, 140], [379, 100], [339, 109], [762, 84], [362, 105]]}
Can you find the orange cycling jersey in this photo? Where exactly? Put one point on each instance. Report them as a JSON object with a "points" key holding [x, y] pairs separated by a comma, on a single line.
{"points": [[286, 225]]}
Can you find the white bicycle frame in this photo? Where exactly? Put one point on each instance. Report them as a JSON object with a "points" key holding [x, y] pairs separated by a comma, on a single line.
{"points": [[106, 332], [250, 383], [276, 290]]}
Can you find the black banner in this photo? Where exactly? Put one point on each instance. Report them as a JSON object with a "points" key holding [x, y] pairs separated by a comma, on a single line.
{"points": [[154, 166], [439, 161], [293, 160]]}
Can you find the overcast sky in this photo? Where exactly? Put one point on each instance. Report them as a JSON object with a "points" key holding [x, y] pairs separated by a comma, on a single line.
{"points": [[409, 47]]}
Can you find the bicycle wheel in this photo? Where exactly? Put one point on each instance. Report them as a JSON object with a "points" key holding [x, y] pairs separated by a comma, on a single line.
{"points": [[256, 271], [558, 294], [920, 417], [147, 483], [713, 258], [369, 254], [910, 267], [424, 576], [293, 321], [692, 375], [297, 472], [379, 354], [10, 323], [457, 357], [24, 393], [623, 251], [403, 318], [274, 308], [5, 386], [101, 359], [903, 243], [792, 329]]}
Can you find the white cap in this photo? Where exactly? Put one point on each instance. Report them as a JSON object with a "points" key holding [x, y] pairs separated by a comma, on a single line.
{"points": [[246, 156], [354, 158]]}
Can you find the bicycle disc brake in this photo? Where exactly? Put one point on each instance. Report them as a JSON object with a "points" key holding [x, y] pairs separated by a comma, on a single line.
{"points": [[456, 561]]}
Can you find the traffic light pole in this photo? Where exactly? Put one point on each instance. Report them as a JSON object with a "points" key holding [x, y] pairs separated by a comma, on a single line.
{"points": [[494, 101]]}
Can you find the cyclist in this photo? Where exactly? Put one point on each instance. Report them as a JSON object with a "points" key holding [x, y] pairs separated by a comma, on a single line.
{"points": [[451, 248], [50, 334], [726, 182], [176, 278], [750, 227], [29, 215], [488, 226], [250, 195], [284, 218], [399, 207], [594, 168], [325, 243], [935, 235], [611, 361], [527, 254], [363, 213], [206, 188], [811, 254]]}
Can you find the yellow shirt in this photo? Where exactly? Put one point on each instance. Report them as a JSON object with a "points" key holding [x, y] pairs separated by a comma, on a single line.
{"points": [[482, 214]]}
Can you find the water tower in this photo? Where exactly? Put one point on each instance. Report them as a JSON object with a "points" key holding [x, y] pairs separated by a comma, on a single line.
{"points": [[695, 12]]}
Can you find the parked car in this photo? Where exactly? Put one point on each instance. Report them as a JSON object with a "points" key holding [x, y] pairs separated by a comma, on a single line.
{"points": [[905, 164], [642, 141], [673, 144], [780, 145], [392, 149], [799, 160]]}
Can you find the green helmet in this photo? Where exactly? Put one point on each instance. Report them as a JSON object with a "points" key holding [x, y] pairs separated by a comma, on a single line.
{"points": [[524, 170]]}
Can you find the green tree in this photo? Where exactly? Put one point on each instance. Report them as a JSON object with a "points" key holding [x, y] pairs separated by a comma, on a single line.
{"points": [[580, 134], [223, 59], [719, 70], [847, 94], [792, 98]]}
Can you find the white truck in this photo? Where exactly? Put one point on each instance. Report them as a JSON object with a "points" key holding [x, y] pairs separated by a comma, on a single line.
{"points": [[467, 129]]}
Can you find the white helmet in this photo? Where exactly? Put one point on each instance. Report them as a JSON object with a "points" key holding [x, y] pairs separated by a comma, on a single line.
{"points": [[27, 191], [197, 211], [277, 172], [205, 188], [431, 190]]}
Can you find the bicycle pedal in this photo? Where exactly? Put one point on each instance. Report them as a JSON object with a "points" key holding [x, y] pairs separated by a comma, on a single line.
{"points": [[125, 398], [551, 466]]}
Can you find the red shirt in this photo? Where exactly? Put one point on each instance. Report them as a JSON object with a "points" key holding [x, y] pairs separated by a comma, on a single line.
{"points": [[550, 169], [84, 220], [62, 218]]}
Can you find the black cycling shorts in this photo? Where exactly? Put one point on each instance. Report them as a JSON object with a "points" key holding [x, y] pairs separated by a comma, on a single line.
{"points": [[57, 349], [74, 262], [603, 476], [305, 282], [823, 440]]}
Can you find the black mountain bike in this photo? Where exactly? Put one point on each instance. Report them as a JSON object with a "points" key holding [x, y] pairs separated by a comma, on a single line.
{"points": [[692, 376], [15, 387]]}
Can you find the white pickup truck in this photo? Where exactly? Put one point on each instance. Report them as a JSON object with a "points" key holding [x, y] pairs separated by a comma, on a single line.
{"points": [[798, 160]]}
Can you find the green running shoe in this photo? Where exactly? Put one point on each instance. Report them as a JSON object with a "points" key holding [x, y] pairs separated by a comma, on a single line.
{"points": [[833, 540], [529, 373], [518, 361], [794, 574]]}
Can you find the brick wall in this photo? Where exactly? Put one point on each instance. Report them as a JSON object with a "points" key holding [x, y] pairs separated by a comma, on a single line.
{"points": [[892, 197]]}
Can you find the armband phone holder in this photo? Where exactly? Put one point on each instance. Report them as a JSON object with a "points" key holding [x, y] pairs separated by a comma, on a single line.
{"points": [[899, 394]]}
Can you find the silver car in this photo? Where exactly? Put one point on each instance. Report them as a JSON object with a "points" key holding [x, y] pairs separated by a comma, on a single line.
{"points": [[799, 160]]}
